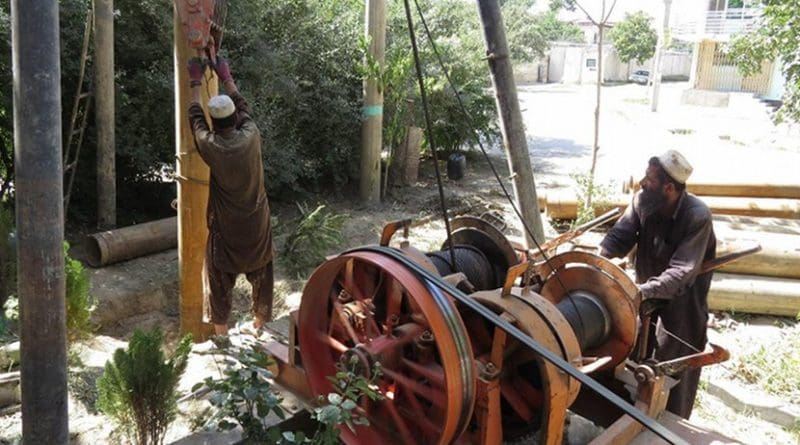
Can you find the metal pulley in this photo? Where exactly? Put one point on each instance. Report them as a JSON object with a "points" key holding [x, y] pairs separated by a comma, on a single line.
{"points": [[445, 366]]}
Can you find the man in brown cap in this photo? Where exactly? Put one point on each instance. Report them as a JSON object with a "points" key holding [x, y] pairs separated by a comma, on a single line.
{"points": [[240, 235], [673, 233]]}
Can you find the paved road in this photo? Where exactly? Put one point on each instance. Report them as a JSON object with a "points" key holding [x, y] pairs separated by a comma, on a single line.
{"points": [[734, 144]]}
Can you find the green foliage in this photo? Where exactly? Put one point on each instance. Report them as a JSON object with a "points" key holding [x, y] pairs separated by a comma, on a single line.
{"points": [[245, 395], [8, 261], [138, 388], [312, 237], [295, 61], [778, 37], [529, 34], [79, 303], [339, 407], [587, 186], [634, 38]]}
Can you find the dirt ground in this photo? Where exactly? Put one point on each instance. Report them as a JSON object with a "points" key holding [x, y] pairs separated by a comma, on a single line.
{"points": [[559, 141]]}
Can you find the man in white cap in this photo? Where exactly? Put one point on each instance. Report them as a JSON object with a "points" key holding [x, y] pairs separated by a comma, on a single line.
{"points": [[673, 233], [240, 235]]}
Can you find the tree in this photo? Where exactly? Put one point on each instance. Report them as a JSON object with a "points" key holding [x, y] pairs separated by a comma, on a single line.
{"points": [[778, 37], [634, 38]]}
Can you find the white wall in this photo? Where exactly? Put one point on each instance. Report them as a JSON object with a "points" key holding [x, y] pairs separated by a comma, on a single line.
{"points": [[568, 64]]}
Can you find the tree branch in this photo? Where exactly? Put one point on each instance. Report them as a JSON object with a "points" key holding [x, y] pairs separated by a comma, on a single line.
{"points": [[587, 14], [605, 20]]}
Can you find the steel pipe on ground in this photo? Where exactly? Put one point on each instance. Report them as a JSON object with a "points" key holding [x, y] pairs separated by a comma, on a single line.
{"points": [[113, 246], [753, 190]]}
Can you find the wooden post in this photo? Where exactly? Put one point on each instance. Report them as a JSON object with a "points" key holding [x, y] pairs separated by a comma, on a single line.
{"points": [[372, 127], [662, 36], [40, 220], [514, 141], [193, 177], [104, 116]]}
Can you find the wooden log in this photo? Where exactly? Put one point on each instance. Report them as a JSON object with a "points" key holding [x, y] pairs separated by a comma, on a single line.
{"points": [[755, 295], [779, 255], [565, 206], [752, 190]]}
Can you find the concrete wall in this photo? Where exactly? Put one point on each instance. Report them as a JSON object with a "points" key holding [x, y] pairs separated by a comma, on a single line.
{"points": [[568, 64]]}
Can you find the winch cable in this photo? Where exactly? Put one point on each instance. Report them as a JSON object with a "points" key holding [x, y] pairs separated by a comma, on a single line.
{"points": [[429, 128], [523, 338], [463, 109]]}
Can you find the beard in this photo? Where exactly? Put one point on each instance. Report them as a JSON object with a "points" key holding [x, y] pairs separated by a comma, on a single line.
{"points": [[651, 201]]}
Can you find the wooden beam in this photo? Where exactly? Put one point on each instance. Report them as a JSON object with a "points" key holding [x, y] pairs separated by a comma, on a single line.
{"points": [[193, 175], [104, 114], [372, 127]]}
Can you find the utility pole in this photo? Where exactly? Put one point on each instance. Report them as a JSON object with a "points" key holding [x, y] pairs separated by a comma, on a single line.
{"points": [[104, 116], [662, 37], [369, 186], [193, 175], [513, 130], [40, 220]]}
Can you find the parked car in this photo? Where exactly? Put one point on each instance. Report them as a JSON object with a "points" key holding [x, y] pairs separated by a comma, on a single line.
{"points": [[640, 76]]}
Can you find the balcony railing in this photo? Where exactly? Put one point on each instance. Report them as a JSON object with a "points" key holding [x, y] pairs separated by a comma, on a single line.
{"points": [[720, 25]]}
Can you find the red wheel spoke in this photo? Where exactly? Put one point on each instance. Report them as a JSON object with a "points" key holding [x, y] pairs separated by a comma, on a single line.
{"points": [[394, 301], [434, 376], [516, 400], [528, 391], [332, 342], [342, 318], [416, 414], [402, 428], [428, 393]]}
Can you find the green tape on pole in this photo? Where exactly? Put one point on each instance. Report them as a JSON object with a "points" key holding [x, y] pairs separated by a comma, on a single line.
{"points": [[372, 110]]}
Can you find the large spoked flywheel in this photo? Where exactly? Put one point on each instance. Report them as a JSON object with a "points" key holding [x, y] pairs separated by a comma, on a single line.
{"points": [[367, 307]]}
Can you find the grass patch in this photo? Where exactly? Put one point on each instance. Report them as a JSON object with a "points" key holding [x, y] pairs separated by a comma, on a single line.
{"points": [[774, 367], [637, 101]]}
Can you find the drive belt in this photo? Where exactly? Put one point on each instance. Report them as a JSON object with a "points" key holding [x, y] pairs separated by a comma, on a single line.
{"points": [[515, 332]]}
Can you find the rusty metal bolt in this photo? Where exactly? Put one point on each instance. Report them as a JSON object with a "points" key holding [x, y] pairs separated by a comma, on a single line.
{"points": [[427, 337], [394, 320]]}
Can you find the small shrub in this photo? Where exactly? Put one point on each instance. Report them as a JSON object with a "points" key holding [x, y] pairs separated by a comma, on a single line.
{"points": [[600, 194], [137, 389], [245, 396], [80, 304], [312, 237]]}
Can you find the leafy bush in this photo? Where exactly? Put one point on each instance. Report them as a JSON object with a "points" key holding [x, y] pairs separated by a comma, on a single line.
{"points": [[314, 235], [79, 303], [137, 389], [245, 395]]}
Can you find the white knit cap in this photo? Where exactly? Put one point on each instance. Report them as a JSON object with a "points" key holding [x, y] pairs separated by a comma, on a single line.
{"points": [[676, 166], [220, 107]]}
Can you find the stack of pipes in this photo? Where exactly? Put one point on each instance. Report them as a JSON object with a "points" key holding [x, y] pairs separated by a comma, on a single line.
{"points": [[767, 282]]}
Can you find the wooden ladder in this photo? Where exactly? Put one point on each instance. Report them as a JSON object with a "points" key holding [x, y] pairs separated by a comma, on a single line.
{"points": [[78, 119]]}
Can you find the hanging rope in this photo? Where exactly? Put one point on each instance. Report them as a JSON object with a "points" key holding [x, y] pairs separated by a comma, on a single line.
{"points": [[429, 129], [469, 120]]}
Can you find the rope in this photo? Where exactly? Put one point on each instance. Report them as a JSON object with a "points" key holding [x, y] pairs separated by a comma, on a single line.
{"points": [[429, 129], [463, 109]]}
